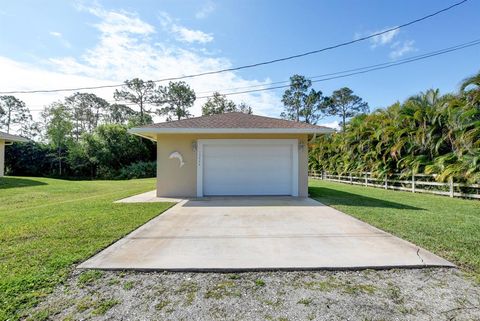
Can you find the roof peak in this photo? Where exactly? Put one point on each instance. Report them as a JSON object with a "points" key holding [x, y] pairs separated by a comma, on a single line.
{"points": [[235, 119]]}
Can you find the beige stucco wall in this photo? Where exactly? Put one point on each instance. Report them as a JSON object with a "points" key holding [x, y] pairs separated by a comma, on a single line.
{"points": [[173, 181], [2, 157]]}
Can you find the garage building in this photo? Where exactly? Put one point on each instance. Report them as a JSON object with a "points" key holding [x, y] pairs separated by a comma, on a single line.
{"points": [[231, 154]]}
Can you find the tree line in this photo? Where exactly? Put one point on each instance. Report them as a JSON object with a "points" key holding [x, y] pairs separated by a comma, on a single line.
{"points": [[428, 133], [86, 136]]}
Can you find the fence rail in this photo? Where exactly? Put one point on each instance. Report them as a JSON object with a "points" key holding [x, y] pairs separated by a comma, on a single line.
{"points": [[419, 183]]}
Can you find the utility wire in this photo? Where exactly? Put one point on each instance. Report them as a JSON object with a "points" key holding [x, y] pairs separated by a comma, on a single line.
{"points": [[409, 59], [341, 74], [342, 44]]}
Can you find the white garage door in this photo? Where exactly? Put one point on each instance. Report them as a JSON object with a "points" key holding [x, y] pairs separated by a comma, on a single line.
{"points": [[249, 167]]}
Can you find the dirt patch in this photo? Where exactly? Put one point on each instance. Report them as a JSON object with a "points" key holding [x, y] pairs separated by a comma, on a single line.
{"points": [[419, 294]]}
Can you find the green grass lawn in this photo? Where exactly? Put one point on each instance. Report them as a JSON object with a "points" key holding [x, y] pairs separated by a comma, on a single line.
{"points": [[49, 225], [448, 227]]}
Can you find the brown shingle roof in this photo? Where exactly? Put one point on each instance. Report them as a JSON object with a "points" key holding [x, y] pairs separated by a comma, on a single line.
{"points": [[12, 138], [236, 120]]}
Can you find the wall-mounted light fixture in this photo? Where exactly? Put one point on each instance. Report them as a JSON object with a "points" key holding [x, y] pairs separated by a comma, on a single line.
{"points": [[301, 145], [194, 145]]}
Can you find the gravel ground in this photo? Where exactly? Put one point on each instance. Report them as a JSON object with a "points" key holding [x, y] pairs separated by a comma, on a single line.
{"points": [[420, 294]]}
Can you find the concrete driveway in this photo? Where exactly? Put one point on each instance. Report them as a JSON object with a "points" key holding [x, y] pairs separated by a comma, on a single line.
{"points": [[258, 233]]}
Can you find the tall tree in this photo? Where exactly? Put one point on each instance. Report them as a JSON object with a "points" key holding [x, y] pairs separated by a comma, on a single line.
{"points": [[87, 111], [218, 104], [345, 104], [176, 98], [119, 114], [59, 130], [13, 112], [139, 92], [31, 129], [244, 108], [470, 87], [303, 103]]}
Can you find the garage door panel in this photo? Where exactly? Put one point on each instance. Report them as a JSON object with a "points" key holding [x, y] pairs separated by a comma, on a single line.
{"points": [[247, 169]]}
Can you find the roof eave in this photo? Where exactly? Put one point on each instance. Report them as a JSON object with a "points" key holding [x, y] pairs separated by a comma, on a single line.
{"points": [[148, 131], [14, 139]]}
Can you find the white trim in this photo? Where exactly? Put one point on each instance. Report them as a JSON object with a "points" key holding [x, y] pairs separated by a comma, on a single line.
{"points": [[13, 138], [148, 130], [202, 142]]}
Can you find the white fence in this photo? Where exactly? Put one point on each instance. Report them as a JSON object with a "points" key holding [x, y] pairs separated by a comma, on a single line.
{"points": [[419, 183]]}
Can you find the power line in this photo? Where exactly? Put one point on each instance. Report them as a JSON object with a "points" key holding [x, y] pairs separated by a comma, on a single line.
{"points": [[409, 59], [342, 44], [342, 74]]}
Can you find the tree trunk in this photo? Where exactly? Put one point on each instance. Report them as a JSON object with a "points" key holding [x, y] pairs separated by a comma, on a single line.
{"points": [[59, 161], [9, 119], [141, 110]]}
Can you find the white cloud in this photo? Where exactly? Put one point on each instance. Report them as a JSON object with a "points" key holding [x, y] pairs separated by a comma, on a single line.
{"points": [[128, 47], [398, 47], [188, 35], [59, 36], [402, 48], [383, 39], [206, 10], [334, 124], [23, 76], [184, 34]]}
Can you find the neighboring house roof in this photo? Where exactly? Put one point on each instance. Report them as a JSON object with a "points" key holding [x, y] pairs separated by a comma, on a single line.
{"points": [[234, 122], [12, 138]]}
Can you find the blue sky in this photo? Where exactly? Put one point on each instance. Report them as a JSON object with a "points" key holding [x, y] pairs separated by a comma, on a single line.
{"points": [[79, 43]]}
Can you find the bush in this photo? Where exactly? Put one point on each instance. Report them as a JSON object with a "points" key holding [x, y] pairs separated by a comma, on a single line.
{"points": [[138, 170], [29, 159]]}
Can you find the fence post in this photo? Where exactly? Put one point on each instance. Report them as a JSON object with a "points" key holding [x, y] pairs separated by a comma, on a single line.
{"points": [[450, 183], [366, 180], [351, 179], [386, 182], [413, 182]]}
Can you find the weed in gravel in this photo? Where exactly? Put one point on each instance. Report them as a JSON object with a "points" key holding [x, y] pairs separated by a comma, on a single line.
{"points": [[84, 304], [332, 284], [395, 294], [113, 281], [41, 315], [128, 285], [259, 282], [234, 276], [325, 285], [162, 304], [305, 301], [222, 290], [89, 277], [160, 289], [102, 306], [218, 313], [406, 310], [353, 288], [189, 289], [276, 304], [69, 318]]}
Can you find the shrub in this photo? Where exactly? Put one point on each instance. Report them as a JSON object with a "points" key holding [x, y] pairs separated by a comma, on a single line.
{"points": [[138, 170]]}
